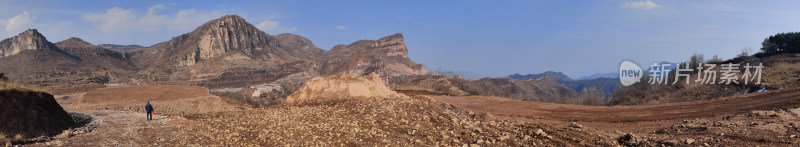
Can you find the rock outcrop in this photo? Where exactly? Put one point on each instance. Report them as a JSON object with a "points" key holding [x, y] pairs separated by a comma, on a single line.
{"points": [[31, 39], [341, 87], [387, 56], [222, 52], [230, 33]]}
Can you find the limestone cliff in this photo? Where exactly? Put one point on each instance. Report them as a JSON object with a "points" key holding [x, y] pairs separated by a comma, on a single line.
{"points": [[387, 56], [31, 39]]}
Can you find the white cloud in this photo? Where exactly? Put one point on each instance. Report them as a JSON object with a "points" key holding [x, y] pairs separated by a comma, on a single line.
{"points": [[340, 28], [268, 25], [646, 5], [118, 19], [273, 27], [19, 23]]}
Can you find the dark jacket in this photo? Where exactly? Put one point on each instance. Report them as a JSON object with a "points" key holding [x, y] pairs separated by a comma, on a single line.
{"points": [[148, 108]]}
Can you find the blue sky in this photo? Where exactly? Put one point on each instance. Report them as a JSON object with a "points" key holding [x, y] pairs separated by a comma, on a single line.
{"points": [[488, 38]]}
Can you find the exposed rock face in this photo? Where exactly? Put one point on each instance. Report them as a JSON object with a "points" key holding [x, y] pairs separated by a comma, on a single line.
{"points": [[66, 63], [31, 39], [387, 56], [225, 52], [342, 87], [230, 33], [224, 48], [393, 45]]}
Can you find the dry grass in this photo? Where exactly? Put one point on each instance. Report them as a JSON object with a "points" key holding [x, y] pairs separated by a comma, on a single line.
{"points": [[8, 85], [781, 75], [18, 137], [65, 134], [3, 137]]}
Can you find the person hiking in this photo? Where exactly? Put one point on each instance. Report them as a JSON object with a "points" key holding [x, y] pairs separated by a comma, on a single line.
{"points": [[149, 109]]}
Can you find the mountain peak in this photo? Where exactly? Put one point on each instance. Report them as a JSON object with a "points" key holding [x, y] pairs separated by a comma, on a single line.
{"points": [[75, 42], [231, 18], [31, 32], [233, 22], [392, 37], [31, 39], [229, 33]]}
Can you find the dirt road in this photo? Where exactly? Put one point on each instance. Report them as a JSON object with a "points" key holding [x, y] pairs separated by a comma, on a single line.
{"points": [[772, 100], [117, 128]]}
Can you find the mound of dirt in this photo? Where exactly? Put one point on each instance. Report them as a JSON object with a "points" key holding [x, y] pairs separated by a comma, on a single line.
{"points": [[341, 87], [31, 114], [167, 99]]}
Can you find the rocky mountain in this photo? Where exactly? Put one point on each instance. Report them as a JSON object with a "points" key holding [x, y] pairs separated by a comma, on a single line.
{"points": [[230, 52], [120, 48], [104, 63], [606, 85], [558, 76], [227, 49], [224, 52], [34, 59], [31, 58], [387, 56], [31, 39]]}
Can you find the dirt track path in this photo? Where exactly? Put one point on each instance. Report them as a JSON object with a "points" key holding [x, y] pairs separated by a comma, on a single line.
{"points": [[772, 100], [119, 128]]}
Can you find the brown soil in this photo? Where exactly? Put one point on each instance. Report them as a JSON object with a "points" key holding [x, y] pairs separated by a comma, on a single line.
{"points": [[421, 121], [31, 114], [166, 99], [118, 128], [772, 100], [768, 118]]}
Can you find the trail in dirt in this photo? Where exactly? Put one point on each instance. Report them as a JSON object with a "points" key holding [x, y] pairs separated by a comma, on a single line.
{"points": [[772, 100], [118, 128]]}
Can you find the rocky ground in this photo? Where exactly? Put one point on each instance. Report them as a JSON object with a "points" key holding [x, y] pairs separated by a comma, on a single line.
{"points": [[382, 122], [761, 119], [764, 119], [421, 121], [415, 121]]}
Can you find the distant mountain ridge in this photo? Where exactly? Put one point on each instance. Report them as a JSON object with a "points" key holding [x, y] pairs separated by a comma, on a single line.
{"points": [[599, 75], [557, 76], [120, 48], [607, 85], [224, 52], [34, 59]]}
